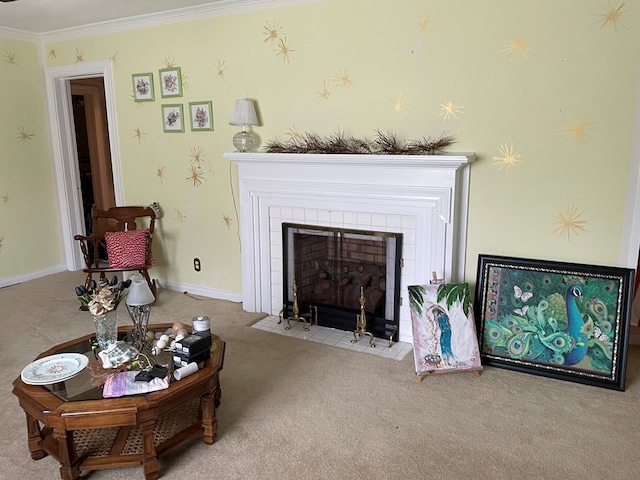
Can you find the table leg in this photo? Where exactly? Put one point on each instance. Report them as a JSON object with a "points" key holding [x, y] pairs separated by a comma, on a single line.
{"points": [[34, 437], [149, 460], [68, 462], [209, 420]]}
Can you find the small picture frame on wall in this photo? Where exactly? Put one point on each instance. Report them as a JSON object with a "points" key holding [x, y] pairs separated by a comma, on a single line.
{"points": [[170, 82], [173, 118], [561, 320], [143, 87], [200, 114]]}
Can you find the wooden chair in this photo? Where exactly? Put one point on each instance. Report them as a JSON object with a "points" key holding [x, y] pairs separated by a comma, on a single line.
{"points": [[120, 242]]}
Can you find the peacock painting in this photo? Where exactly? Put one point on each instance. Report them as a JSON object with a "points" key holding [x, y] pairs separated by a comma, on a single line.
{"points": [[550, 318], [444, 334]]}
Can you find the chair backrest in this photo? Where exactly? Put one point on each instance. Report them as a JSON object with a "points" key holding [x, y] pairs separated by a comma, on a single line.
{"points": [[119, 219]]}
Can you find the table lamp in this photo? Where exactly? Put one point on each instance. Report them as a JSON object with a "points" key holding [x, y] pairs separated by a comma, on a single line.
{"points": [[244, 113], [139, 300]]}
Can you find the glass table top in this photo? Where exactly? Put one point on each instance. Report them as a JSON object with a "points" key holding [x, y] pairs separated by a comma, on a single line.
{"points": [[80, 386]]}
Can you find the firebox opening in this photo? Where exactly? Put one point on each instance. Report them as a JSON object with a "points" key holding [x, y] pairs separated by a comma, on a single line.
{"points": [[333, 267]]}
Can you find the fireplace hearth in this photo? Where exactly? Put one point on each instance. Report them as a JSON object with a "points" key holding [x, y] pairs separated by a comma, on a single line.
{"points": [[337, 272]]}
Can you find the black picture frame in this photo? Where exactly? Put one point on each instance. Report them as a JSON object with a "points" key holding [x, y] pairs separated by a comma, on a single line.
{"points": [[561, 320]]}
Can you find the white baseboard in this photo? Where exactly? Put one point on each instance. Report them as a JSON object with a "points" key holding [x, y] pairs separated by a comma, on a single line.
{"points": [[202, 291], [8, 281]]}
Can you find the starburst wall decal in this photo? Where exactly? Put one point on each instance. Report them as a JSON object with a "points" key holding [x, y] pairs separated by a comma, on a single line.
{"points": [[195, 176], [424, 23], [448, 110], [23, 135], [79, 54], [577, 129], [569, 222], [180, 217], [160, 174], [274, 36], [508, 157], [168, 62], [401, 105], [228, 221], [9, 58], [271, 32], [342, 79], [324, 92], [221, 67], [284, 50], [516, 48], [139, 133], [612, 16]]}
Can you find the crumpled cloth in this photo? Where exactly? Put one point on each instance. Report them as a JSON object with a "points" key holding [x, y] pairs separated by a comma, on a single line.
{"points": [[124, 383]]}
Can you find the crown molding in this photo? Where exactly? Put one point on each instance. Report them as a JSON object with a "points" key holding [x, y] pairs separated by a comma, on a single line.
{"points": [[13, 34], [186, 14]]}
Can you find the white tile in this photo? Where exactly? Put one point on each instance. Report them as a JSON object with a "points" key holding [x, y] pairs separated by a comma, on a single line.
{"points": [[394, 222], [364, 221], [310, 216], [333, 337], [350, 218], [286, 213], [378, 220], [324, 217], [297, 215], [408, 237], [409, 222], [337, 218]]}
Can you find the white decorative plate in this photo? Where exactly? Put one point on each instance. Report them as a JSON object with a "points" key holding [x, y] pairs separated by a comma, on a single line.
{"points": [[54, 368]]}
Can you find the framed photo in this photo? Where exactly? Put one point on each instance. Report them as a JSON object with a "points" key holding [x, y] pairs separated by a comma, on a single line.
{"points": [[170, 82], [143, 87], [173, 118], [561, 320], [200, 115]]}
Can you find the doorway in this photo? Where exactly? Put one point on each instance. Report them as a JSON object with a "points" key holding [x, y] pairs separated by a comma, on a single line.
{"points": [[92, 146], [64, 148]]}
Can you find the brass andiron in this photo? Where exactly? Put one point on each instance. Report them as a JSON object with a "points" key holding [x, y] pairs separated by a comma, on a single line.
{"points": [[361, 328], [297, 316]]}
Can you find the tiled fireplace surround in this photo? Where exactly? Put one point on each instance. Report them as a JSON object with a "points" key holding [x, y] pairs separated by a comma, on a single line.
{"points": [[424, 197]]}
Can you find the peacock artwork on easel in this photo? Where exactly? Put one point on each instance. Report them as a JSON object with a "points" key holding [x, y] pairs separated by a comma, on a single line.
{"points": [[444, 333], [566, 321]]}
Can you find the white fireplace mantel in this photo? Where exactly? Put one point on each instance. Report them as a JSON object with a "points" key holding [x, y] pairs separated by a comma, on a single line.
{"points": [[424, 197]]}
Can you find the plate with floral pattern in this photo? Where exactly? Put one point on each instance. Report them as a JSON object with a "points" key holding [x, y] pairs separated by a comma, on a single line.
{"points": [[54, 368]]}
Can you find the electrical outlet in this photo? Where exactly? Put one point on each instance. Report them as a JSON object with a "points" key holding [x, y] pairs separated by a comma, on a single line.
{"points": [[196, 264]]}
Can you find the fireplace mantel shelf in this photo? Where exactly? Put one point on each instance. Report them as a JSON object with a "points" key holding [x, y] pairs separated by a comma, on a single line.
{"points": [[449, 161]]}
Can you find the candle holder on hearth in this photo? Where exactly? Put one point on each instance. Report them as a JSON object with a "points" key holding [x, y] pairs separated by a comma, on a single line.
{"points": [[297, 316], [361, 323]]}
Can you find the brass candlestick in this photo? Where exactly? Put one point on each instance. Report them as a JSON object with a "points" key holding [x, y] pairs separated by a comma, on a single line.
{"points": [[361, 328]]}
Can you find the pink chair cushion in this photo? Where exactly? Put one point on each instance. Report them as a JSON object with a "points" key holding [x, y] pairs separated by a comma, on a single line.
{"points": [[126, 249]]}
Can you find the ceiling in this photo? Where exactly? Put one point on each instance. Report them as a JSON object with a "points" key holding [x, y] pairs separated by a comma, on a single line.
{"points": [[42, 16]]}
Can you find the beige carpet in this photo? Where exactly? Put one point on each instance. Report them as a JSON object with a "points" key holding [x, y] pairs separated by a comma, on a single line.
{"points": [[293, 409]]}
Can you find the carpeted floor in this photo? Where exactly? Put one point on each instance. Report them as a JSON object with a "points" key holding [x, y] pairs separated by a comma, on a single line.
{"points": [[294, 409]]}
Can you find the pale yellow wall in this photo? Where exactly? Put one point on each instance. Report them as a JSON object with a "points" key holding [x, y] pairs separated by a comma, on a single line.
{"points": [[544, 92], [29, 232]]}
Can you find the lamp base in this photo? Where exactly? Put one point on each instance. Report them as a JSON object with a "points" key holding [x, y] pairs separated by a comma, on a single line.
{"points": [[245, 141]]}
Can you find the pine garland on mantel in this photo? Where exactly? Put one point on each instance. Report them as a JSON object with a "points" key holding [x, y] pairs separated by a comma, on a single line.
{"points": [[337, 143]]}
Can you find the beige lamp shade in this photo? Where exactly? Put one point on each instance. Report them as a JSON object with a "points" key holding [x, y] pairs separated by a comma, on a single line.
{"points": [[139, 294], [244, 113]]}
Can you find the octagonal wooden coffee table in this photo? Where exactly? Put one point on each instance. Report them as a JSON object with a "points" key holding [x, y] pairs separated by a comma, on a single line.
{"points": [[72, 422]]}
